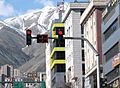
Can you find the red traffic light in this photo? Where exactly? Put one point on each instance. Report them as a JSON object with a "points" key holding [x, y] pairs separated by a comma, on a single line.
{"points": [[60, 32], [28, 37]]}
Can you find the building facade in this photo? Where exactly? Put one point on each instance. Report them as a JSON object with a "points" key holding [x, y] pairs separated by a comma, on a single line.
{"points": [[74, 48], [7, 74], [111, 43], [48, 70], [57, 58], [91, 26], [16, 73]]}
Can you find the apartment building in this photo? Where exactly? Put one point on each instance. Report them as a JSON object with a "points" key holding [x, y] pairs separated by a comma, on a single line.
{"points": [[16, 73], [74, 54], [6, 74], [57, 58], [7, 70], [111, 43], [90, 22]]}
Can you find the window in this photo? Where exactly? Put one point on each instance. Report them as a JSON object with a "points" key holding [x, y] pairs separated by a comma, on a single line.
{"points": [[111, 29], [59, 55], [59, 43], [112, 52], [82, 43], [83, 69], [82, 29], [83, 55], [60, 68], [113, 74], [8, 71]]}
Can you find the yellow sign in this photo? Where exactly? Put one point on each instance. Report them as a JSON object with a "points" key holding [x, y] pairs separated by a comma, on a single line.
{"points": [[116, 60]]}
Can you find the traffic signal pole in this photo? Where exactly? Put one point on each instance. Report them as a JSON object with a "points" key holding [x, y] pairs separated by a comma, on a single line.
{"points": [[60, 35], [95, 51]]}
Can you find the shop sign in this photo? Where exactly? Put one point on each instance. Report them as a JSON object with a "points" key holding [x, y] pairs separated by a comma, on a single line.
{"points": [[116, 60]]}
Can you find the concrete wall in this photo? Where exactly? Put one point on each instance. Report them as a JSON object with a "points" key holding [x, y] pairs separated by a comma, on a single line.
{"points": [[59, 78], [73, 48]]}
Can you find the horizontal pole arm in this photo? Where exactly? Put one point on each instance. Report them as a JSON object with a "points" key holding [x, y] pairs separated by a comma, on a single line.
{"points": [[79, 38]]}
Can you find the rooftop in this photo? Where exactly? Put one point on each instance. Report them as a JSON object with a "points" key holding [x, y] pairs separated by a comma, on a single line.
{"points": [[73, 6], [92, 4]]}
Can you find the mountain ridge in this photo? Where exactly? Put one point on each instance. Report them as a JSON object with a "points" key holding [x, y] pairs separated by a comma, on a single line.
{"points": [[13, 49]]}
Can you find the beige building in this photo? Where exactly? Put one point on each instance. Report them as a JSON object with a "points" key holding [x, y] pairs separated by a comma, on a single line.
{"points": [[91, 25], [7, 70]]}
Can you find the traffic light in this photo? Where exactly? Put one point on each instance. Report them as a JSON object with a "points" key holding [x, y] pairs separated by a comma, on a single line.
{"points": [[60, 33], [42, 38], [28, 37]]}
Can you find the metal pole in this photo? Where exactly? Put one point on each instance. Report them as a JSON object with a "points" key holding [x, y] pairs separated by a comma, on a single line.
{"points": [[98, 71], [95, 51]]}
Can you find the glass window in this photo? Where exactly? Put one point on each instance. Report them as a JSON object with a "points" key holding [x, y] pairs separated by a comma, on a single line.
{"points": [[59, 55], [114, 73], [83, 69], [112, 52], [111, 29], [83, 55], [60, 68]]}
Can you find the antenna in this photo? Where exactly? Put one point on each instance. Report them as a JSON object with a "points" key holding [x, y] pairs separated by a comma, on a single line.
{"points": [[75, 1]]}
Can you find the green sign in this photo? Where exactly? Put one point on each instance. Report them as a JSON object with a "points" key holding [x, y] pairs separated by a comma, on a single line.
{"points": [[42, 84]]}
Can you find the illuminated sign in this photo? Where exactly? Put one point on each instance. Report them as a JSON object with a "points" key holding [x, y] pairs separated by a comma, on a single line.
{"points": [[116, 60]]}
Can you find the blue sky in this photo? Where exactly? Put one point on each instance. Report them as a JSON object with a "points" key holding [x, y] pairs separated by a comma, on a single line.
{"points": [[9, 8]]}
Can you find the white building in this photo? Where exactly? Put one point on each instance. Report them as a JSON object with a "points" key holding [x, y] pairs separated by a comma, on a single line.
{"points": [[48, 70], [16, 73], [7, 70], [6, 75], [42, 76], [74, 49]]}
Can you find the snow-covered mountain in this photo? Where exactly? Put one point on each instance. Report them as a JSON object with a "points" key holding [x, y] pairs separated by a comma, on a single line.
{"points": [[37, 21], [12, 39]]}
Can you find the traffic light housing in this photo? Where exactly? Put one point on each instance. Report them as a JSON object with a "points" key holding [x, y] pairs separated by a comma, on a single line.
{"points": [[60, 33], [28, 37], [42, 38]]}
